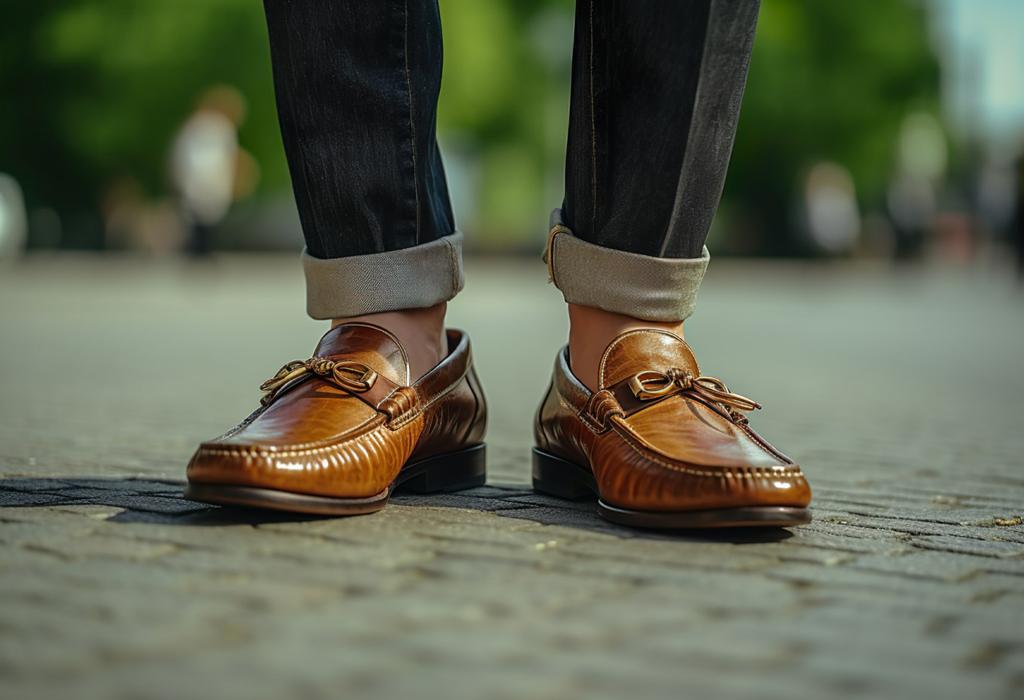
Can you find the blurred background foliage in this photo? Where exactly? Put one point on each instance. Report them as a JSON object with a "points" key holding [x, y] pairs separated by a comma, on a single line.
{"points": [[96, 90], [828, 81]]}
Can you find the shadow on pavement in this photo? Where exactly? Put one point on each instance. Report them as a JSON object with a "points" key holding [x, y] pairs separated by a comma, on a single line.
{"points": [[162, 502]]}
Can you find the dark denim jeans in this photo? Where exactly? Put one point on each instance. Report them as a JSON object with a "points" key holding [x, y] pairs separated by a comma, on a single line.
{"points": [[656, 91]]}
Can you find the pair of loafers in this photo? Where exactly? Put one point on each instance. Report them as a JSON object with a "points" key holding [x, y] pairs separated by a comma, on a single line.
{"points": [[659, 445]]}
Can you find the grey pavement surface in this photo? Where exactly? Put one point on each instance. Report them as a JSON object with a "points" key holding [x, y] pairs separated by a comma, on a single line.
{"points": [[900, 393]]}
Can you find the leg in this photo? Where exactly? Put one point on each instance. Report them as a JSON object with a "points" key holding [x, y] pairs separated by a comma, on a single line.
{"points": [[338, 432], [357, 86], [656, 94], [629, 416]]}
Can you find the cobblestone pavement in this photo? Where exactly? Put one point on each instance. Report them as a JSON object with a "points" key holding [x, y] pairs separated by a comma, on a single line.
{"points": [[900, 393]]}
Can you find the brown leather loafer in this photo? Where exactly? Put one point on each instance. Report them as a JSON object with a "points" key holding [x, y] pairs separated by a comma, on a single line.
{"points": [[336, 434], [661, 445]]}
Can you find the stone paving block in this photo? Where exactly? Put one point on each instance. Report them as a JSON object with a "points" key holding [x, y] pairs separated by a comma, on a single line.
{"points": [[909, 583], [31, 498]]}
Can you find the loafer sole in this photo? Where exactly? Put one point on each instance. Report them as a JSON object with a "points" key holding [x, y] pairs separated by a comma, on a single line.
{"points": [[558, 477], [452, 471]]}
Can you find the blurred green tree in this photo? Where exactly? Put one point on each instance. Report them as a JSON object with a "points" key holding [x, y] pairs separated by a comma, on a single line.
{"points": [[503, 112], [828, 81], [94, 91]]}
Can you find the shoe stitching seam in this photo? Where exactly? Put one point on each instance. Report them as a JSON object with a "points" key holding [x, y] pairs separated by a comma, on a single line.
{"points": [[411, 416], [723, 472], [328, 441], [263, 452]]}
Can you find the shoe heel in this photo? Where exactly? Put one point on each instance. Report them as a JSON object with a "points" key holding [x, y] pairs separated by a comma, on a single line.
{"points": [[453, 471], [558, 477]]}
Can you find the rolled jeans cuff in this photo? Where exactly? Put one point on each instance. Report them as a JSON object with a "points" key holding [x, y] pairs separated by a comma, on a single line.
{"points": [[641, 286], [410, 278]]}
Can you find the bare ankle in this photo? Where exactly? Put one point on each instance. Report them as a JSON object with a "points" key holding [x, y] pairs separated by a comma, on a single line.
{"points": [[420, 332], [591, 330]]}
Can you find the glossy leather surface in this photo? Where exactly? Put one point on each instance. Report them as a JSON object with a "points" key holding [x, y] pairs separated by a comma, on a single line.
{"points": [[316, 438], [673, 453]]}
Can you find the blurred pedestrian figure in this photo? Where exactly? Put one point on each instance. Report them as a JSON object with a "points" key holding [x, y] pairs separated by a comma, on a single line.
{"points": [[1017, 231], [13, 222], [912, 196], [830, 203], [208, 168]]}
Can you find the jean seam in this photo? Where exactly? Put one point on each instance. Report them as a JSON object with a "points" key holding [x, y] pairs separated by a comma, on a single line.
{"points": [[593, 130], [452, 263], [412, 117]]}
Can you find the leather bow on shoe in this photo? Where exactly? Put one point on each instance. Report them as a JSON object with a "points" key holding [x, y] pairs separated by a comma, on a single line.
{"points": [[349, 375], [654, 385]]}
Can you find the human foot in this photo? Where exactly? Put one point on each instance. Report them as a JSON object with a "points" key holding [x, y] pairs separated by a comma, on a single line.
{"points": [[591, 330], [420, 333], [337, 433], [661, 445]]}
